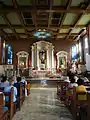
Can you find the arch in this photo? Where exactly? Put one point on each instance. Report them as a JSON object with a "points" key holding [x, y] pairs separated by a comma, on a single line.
{"points": [[62, 52], [23, 53]]}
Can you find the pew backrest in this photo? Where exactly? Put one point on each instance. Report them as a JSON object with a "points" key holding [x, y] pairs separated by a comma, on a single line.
{"points": [[79, 97], [10, 103], [1, 102]]}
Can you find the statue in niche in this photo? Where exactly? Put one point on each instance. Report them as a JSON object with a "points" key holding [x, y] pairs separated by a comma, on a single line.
{"points": [[42, 56], [22, 62], [62, 62]]}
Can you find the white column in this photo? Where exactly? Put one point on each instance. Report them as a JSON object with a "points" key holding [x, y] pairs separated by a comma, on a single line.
{"points": [[50, 58], [57, 62], [35, 56], [38, 59], [53, 58], [47, 58], [27, 62], [18, 67], [32, 56]]}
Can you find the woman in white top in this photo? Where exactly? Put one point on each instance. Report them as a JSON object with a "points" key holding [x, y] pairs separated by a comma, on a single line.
{"points": [[76, 78], [23, 80], [4, 82], [15, 79], [72, 83]]}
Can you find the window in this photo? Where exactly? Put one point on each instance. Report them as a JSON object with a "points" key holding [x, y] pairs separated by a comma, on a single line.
{"points": [[9, 59], [80, 47], [77, 48], [86, 43], [74, 52]]}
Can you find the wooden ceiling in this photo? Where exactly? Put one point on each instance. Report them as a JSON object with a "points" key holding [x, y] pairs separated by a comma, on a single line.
{"points": [[66, 19]]}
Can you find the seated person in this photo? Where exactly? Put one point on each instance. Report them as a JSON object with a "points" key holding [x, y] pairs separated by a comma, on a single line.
{"points": [[4, 109], [8, 88], [17, 85], [80, 87], [72, 83], [85, 79], [76, 78], [4, 82], [23, 81], [15, 79], [67, 80]]}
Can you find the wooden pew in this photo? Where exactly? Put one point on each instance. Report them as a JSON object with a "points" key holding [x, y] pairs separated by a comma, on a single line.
{"points": [[20, 96], [88, 108], [22, 93], [62, 93], [11, 105], [87, 84], [79, 99], [23, 90], [69, 96], [3, 110], [59, 87], [28, 87]]}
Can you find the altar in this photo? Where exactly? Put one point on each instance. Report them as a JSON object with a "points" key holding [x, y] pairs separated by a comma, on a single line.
{"points": [[42, 56], [40, 73]]}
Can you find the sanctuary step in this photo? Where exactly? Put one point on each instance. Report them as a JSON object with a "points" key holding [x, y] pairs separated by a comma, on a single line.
{"points": [[44, 82]]}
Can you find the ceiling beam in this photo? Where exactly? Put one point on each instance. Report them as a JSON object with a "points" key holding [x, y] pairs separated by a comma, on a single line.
{"points": [[10, 34], [65, 34], [62, 34], [4, 34], [83, 33], [51, 26], [34, 13], [15, 5], [50, 13], [64, 15], [9, 25], [16, 26], [80, 16], [30, 9]]}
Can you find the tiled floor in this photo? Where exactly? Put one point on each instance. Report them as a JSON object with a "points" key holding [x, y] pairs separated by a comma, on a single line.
{"points": [[42, 104]]}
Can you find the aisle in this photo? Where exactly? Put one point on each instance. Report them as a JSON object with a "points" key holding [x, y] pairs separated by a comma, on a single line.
{"points": [[42, 104]]}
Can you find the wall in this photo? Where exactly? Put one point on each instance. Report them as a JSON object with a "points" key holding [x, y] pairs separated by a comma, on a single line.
{"points": [[24, 44]]}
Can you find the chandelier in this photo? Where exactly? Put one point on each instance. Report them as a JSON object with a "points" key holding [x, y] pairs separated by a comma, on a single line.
{"points": [[42, 33]]}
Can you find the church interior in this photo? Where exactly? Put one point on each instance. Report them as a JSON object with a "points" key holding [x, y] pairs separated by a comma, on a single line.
{"points": [[45, 59]]}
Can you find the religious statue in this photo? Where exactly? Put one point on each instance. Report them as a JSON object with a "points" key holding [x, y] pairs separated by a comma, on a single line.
{"points": [[42, 56]]}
